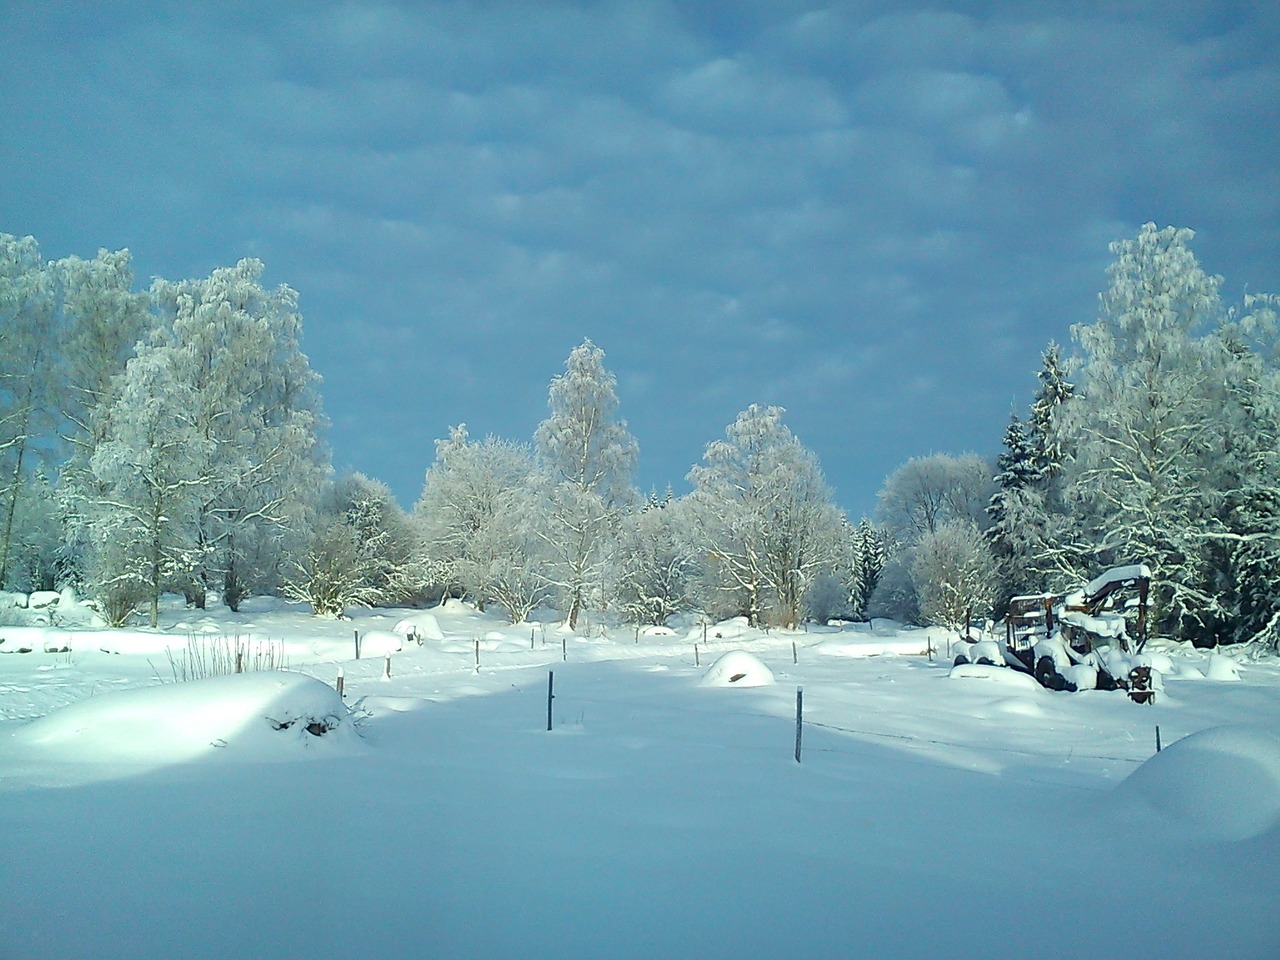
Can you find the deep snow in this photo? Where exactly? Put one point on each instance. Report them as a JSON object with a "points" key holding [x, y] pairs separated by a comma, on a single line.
{"points": [[936, 813]]}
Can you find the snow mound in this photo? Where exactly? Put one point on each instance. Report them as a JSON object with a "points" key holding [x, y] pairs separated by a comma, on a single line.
{"points": [[737, 668], [250, 716], [1223, 782], [378, 643], [425, 625], [997, 676], [1222, 668]]}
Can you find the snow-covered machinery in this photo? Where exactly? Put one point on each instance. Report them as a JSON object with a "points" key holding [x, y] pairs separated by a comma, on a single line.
{"points": [[1085, 639]]}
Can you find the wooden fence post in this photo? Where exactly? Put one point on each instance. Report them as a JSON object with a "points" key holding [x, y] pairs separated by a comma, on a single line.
{"points": [[551, 681], [339, 685], [357, 633], [799, 719]]}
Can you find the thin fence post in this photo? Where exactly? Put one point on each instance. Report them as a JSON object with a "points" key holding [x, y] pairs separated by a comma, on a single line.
{"points": [[564, 649], [340, 684], [799, 719], [795, 657], [1157, 738], [531, 631], [477, 648], [696, 661], [386, 668], [551, 682], [357, 633]]}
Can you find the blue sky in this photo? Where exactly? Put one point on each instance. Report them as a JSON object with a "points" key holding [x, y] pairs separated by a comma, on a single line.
{"points": [[873, 214]]}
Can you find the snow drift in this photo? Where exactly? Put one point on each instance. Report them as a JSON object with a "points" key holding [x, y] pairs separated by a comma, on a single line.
{"points": [[1223, 782], [253, 716]]}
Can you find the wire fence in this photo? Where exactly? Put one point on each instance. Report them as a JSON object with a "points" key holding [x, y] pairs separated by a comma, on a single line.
{"points": [[830, 745]]}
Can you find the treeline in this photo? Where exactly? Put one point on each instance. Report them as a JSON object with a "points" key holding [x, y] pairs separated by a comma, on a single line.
{"points": [[1157, 441], [167, 441]]}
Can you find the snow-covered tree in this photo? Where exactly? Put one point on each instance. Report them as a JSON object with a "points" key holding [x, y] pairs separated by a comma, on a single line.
{"points": [[236, 345], [869, 555], [1246, 556], [763, 513], [1148, 423], [147, 481], [27, 376], [1017, 528], [927, 491], [1044, 429], [655, 567], [955, 574], [917, 498], [102, 321], [363, 552], [468, 504], [587, 458], [103, 318]]}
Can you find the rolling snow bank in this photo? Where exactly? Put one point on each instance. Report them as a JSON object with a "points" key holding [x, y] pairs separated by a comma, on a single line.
{"points": [[1223, 782], [996, 676], [737, 668], [247, 717]]}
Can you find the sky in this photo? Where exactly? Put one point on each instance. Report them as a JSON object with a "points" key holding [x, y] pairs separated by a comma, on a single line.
{"points": [[876, 215]]}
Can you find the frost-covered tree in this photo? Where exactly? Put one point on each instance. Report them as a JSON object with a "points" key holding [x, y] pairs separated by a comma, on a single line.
{"points": [[1246, 556], [1147, 424], [102, 320], [955, 574], [763, 513], [236, 345], [917, 498], [147, 481], [927, 491], [1017, 526], [1044, 429], [587, 458], [36, 560], [869, 555], [469, 502], [363, 552], [655, 566], [27, 377]]}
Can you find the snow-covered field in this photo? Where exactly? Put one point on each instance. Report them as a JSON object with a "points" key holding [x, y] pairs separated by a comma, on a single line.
{"points": [[664, 815]]}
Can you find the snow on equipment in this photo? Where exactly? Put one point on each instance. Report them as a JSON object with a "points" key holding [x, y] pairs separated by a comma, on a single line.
{"points": [[1088, 639]]}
